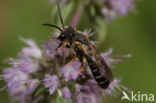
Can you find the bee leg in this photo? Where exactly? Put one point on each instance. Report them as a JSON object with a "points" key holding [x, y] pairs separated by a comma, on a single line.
{"points": [[64, 45], [73, 60], [59, 46], [82, 65]]}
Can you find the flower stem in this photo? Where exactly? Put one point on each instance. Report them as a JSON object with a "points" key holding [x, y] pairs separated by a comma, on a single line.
{"points": [[76, 17]]}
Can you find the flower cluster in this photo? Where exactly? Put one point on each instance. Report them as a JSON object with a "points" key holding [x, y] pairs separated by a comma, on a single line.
{"points": [[46, 74], [108, 9], [112, 8]]}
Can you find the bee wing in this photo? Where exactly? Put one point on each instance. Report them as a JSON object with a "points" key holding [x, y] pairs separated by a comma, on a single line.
{"points": [[98, 60]]}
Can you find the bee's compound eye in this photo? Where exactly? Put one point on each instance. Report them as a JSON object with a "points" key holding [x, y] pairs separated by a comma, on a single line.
{"points": [[62, 37]]}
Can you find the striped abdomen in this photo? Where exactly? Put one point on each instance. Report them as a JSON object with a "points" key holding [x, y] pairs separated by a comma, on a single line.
{"points": [[97, 68], [97, 64]]}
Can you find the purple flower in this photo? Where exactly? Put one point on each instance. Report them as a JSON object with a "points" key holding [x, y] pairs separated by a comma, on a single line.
{"points": [[51, 47], [26, 65], [18, 82], [114, 8], [93, 88], [51, 82], [30, 85], [88, 93], [115, 88], [109, 58], [12, 75], [84, 98], [71, 71], [66, 93], [23, 87], [88, 32], [122, 6], [108, 14], [32, 51], [23, 78]]}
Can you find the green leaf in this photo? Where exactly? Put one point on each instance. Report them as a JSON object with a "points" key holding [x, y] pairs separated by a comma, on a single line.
{"points": [[39, 91], [59, 99], [101, 29]]}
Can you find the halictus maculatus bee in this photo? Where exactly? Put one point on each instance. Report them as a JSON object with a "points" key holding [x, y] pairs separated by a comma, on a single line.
{"points": [[85, 52]]}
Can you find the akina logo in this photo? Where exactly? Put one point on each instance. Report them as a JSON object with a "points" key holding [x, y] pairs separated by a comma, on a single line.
{"points": [[137, 97]]}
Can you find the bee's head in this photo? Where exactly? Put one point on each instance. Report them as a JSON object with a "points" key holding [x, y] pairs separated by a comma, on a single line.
{"points": [[66, 34]]}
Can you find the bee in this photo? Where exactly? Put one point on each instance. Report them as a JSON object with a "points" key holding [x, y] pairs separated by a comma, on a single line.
{"points": [[85, 52]]}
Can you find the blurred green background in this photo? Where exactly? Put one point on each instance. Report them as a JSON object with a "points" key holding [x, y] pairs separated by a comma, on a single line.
{"points": [[134, 34]]}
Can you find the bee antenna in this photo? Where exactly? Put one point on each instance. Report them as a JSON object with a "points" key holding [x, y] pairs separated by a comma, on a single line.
{"points": [[60, 16], [54, 26]]}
